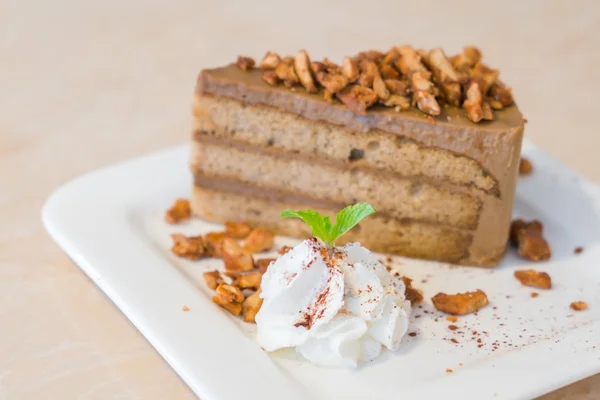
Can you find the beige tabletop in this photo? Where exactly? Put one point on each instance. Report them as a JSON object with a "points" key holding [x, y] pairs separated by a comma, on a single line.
{"points": [[86, 83]]}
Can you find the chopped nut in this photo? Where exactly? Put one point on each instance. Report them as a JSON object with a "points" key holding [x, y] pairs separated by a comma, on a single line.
{"points": [[332, 82], [495, 104], [488, 115], [331, 67], [525, 167], [271, 78], [357, 98], [350, 69], [397, 86], [445, 74], [427, 103], [533, 278], [473, 103], [234, 308], [388, 72], [461, 303], [379, 87], [185, 308], [284, 249], [302, 65], [245, 63], [411, 294], [467, 59], [178, 212], [399, 101], [371, 55], [484, 76], [578, 250], [229, 294], [501, 93], [534, 294], [270, 61], [451, 318], [390, 58], [235, 257], [249, 281], [579, 305], [191, 247], [212, 241], [237, 230], [213, 279], [264, 263], [409, 61], [251, 306], [368, 72], [259, 240], [420, 82], [533, 246], [448, 370], [285, 71]]}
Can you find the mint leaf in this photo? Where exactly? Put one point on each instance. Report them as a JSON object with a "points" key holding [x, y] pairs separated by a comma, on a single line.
{"points": [[321, 226], [349, 217]]}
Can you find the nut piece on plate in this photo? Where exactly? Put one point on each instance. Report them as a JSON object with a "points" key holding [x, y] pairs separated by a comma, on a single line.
{"points": [[461, 303], [259, 240], [411, 294], [245, 63], [264, 263], [525, 167], [191, 247], [213, 279], [284, 249], [229, 297], [250, 280], [212, 242], [534, 278], [251, 306], [579, 305], [237, 230], [357, 98], [302, 65], [178, 212], [235, 257], [527, 236], [270, 61]]}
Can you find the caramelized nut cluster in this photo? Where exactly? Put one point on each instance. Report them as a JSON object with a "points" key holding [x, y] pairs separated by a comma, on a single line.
{"points": [[401, 78], [527, 237], [237, 288]]}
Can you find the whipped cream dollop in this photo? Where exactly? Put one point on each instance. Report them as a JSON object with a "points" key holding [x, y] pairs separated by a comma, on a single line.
{"points": [[337, 307]]}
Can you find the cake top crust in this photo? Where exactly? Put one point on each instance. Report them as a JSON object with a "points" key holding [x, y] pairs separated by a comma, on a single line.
{"points": [[250, 87], [401, 79]]}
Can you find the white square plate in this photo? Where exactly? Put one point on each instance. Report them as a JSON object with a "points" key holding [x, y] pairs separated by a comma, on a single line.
{"points": [[110, 222]]}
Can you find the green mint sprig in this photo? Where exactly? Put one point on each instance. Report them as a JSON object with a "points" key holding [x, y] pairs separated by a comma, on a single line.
{"points": [[322, 227]]}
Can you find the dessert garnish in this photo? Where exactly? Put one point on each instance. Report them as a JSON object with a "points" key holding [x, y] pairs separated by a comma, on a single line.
{"points": [[337, 306], [179, 211], [460, 303], [579, 305], [534, 278], [527, 237], [525, 167]]}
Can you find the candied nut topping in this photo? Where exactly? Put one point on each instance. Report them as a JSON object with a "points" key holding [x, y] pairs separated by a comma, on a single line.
{"points": [[411, 294], [534, 278], [229, 293], [525, 167], [245, 63], [264, 263], [424, 79], [237, 230], [251, 306], [213, 279], [527, 237], [250, 280], [579, 305], [212, 242], [179, 211], [284, 249], [259, 240], [235, 257], [190, 247], [461, 303]]}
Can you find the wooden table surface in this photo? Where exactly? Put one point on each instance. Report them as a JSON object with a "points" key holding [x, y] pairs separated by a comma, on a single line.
{"points": [[84, 84]]}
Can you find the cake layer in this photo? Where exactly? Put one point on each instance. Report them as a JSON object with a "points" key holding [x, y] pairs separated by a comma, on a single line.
{"points": [[312, 178], [229, 119], [495, 145], [379, 232]]}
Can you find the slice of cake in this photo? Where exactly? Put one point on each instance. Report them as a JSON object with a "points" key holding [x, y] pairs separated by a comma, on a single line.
{"points": [[433, 143]]}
